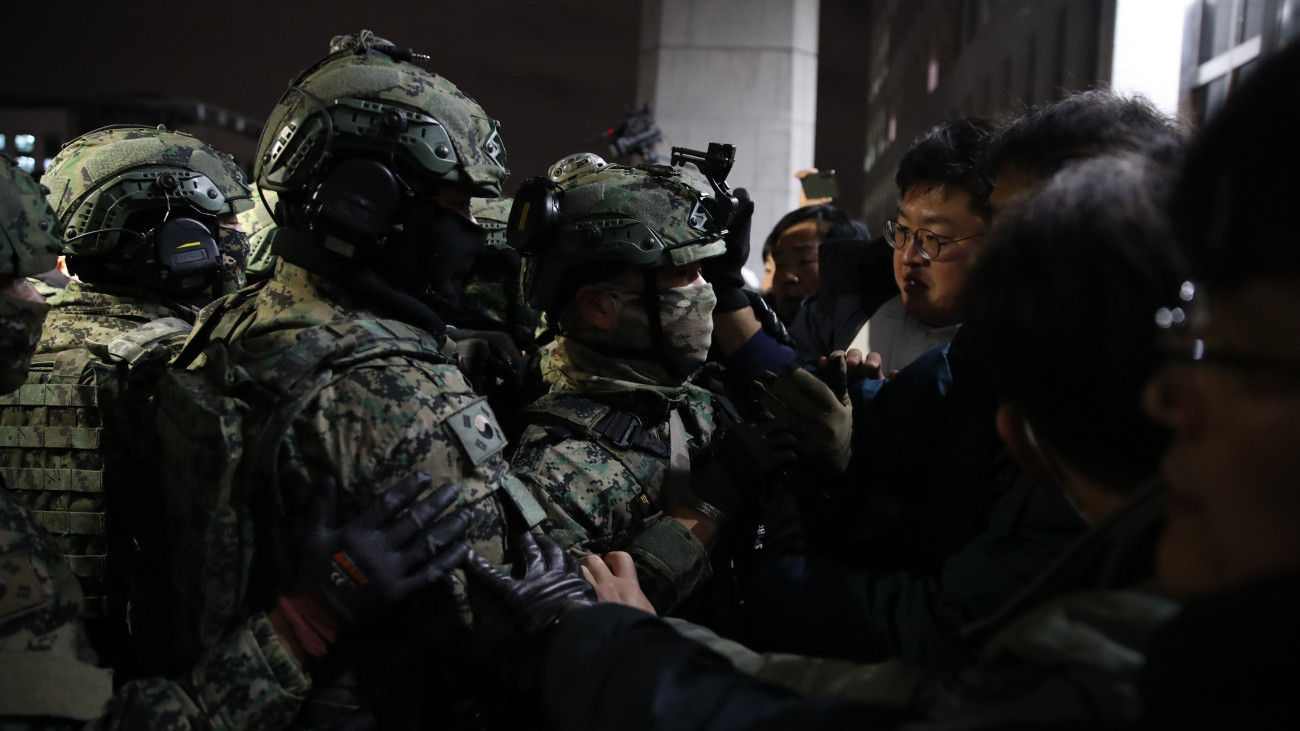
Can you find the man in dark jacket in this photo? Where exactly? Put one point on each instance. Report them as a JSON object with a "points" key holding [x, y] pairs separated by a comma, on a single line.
{"points": [[911, 295]]}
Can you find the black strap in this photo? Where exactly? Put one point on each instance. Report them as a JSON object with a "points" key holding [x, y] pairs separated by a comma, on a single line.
{"points": [[619, 430]]}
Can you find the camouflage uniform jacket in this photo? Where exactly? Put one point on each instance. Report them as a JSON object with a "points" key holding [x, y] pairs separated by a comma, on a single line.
{"points": [[371, 425], [85, 313], [48, 678], [600, 496]]}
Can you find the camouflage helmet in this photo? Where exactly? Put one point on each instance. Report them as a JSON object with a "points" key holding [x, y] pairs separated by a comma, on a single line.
{"points": [[29, 241], [258, 223], [102, 178], [645, 216], [364, 99]]}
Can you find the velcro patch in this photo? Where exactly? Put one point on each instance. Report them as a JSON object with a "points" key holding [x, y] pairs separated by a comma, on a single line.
{"points": [[478, 432]]}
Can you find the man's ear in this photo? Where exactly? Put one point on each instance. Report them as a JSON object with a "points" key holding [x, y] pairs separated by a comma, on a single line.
{"points": [[596, 306], [1037, 462]]}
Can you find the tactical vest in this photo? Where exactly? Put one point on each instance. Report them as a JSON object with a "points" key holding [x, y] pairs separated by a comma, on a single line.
{"points": [[68, 447], [223, 423], [621, 433]]}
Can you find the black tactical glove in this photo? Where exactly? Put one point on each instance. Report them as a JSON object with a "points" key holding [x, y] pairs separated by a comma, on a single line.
{"points": [[723, 272], [552, 584], [353, 573], [745, 458], [485, 355]]}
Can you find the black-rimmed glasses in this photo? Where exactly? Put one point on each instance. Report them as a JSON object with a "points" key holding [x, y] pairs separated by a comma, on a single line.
{"points": [[927, 242]]}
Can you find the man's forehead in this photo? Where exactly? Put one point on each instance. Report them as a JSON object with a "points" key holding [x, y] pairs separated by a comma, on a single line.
{"points": [[803, 235], [935, 205]]}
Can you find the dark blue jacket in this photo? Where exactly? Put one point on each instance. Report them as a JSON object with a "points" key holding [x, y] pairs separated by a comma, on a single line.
{"points": [[969, 530]]}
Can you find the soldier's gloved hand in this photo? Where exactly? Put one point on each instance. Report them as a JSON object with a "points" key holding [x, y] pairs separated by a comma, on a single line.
{"points": [[820, 418], [352, 573], [744, 458], [490, 360], [551, 586], [723, 272]]}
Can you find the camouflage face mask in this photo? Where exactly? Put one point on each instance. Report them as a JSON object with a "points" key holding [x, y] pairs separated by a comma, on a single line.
{"points": [[234, 260], [20, 330], [685, 316]]}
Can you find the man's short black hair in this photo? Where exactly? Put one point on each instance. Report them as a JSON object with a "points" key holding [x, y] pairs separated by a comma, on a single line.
{"points": [[1235, 201], [950, 157], [839, 224], [1060, 308], [1085, 124]]}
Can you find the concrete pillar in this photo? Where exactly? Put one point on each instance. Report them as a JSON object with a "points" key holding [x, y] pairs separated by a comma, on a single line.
{"points": [[742, 72]]}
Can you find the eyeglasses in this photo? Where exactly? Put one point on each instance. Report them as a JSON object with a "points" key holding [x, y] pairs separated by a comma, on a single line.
{"points": [[1179, 343], [927, 242]]}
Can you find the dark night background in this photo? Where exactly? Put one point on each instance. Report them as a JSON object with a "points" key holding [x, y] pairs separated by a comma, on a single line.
{"points": [[555, 72]]}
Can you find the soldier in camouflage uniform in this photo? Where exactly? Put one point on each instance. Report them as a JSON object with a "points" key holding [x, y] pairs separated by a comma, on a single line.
{"points": [[133, 201], [622, 451], [375, 160], [47, 669], [149, 220]]}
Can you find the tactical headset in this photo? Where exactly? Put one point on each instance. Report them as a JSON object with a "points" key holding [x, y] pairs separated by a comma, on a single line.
{"points": [[183, 250]]}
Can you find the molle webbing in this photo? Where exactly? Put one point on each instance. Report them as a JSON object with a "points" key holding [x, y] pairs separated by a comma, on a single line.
{"points": [[59, 438]]}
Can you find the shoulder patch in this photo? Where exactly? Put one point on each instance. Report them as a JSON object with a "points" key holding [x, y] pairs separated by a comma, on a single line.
{"points": [[20, 587], [477, 431]]}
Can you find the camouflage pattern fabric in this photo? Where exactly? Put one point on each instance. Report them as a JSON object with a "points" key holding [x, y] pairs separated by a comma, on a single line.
{"points": [[48, 672], [258, 223], [29, 239], [645, 217], [599, 497], [85, 313], [490, 299], [451, 138], [44, 288], [95, 160], [80, 434], [371, 425]]}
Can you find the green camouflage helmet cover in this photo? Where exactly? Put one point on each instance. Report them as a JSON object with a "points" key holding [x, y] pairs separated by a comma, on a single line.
{"points": [[29, 241], [360, 100], [646, 216], [101, 178]]}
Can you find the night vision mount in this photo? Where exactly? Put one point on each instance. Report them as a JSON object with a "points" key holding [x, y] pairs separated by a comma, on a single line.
{"points": [[715, 165]]}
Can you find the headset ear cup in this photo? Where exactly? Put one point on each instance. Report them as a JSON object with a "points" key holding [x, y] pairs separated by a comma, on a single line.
{"points": [[186, 254], [356, 206], [533, 215]]}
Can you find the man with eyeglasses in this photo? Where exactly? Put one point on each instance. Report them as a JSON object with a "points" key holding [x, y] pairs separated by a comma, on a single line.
{"points": [[943, 214], [943, 199]]}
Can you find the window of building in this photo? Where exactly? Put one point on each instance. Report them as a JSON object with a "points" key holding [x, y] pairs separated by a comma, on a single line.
{"points": [[1230, 41], [24, 143], [28, 164]]}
